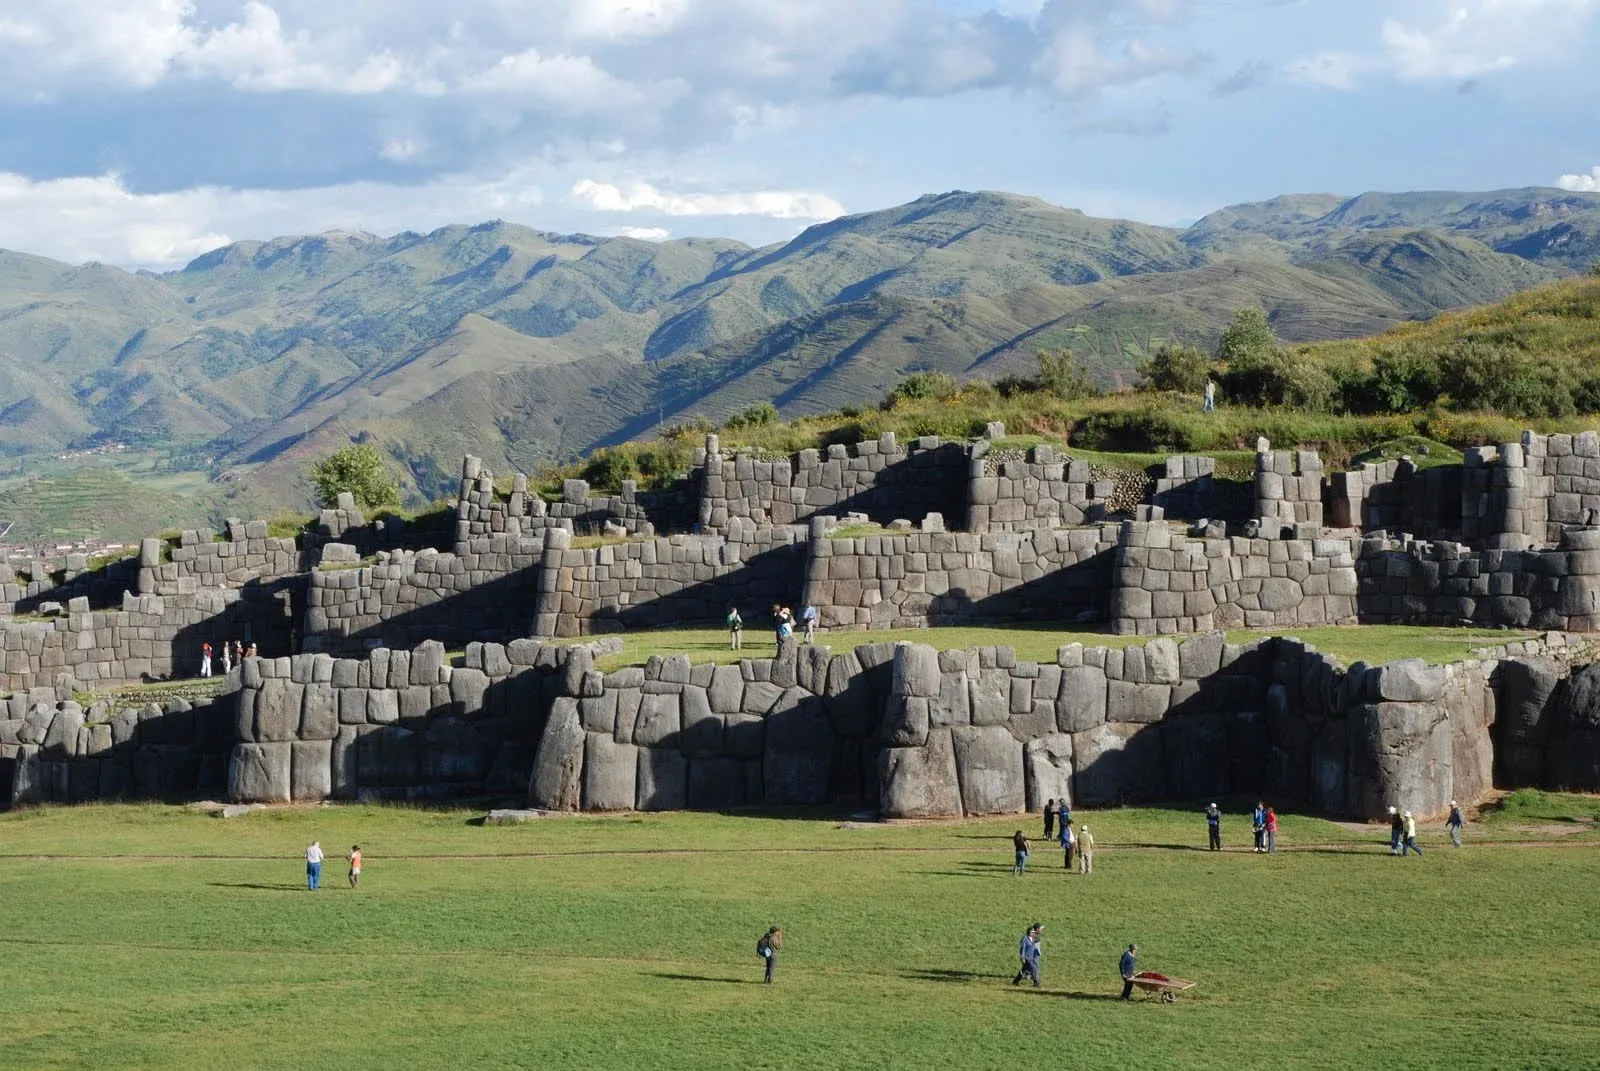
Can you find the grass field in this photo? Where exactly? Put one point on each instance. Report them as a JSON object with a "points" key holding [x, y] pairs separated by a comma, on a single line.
{"points": [[1373, 644], [161, 937]]}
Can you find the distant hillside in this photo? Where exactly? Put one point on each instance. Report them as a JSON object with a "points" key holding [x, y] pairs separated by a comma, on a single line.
{"points": [[527, 346]]}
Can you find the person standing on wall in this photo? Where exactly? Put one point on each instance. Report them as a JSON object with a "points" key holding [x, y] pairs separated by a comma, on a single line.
{"points": [[1128, 966], [767, 948], [1410, 843], [1085, 850], [735, 630], [1214, 827], [314, 866], [1454, 824], [1049, 818], [1029, 952], [1397, 830], [205, 659], [1272, 831], [808, 617]]}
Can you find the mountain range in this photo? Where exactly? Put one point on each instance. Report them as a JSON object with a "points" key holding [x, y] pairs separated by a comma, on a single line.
{"points": [[524, 346]]}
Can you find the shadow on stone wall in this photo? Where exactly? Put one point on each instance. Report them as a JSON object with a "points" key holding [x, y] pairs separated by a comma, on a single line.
{"points": [[498, 609]]}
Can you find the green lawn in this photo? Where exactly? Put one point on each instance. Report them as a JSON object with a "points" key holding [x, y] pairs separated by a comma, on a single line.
{"points": [[1373, 644], [160, 937]]}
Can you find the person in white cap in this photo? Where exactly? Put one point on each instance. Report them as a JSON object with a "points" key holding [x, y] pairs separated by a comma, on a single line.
{"points": [[1085, 851], [1454, 824], [1397, 828], [1214, 827], [1410, 844]]}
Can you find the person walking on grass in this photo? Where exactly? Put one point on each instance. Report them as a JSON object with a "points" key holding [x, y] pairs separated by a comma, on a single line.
{"points": [[205, 659], [767, 948], [314, 866], [1128, 967], [1397, 830], [735, 630], [1049, 818], [1066, 845], [1210, 405], [1454, 824], [1030, 951], [1020, 843], [1258, 826], [1410, 843], [1214, 827], [355, 865], [1085, 850], [808, 618], [1272, 831]]}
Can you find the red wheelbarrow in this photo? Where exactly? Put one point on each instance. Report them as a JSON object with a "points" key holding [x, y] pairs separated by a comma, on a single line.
{"points": [[1151, 983]]}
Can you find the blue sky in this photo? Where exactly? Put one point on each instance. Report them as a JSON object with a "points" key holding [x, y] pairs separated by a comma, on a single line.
{"points": [[143, 132]]}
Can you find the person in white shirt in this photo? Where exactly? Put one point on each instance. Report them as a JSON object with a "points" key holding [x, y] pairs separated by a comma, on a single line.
{"points": [[314, 866], [1085, 850]]}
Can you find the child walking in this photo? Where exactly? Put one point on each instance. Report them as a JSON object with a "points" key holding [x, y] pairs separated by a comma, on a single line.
{"points": [[355, 865]]}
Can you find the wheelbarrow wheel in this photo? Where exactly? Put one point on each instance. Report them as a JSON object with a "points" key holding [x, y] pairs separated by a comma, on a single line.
{"points": [[1168, 996]]}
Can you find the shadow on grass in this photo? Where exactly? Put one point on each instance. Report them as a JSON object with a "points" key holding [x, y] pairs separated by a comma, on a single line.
{"points": [[703, 978], [1068, 994], [932, 974], [281, 887]]}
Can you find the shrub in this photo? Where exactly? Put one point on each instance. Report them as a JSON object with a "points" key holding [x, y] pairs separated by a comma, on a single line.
{"points": [[1062, 375], [1281, 377], [358, 469], [1178, 368], [920, 385], [607, 469], [1482, 375], [759, 415], [1249, 339]]}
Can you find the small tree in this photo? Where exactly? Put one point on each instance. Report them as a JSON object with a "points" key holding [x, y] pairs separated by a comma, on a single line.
{"points": [[1594, 269], [359, 470], [922, 385], [1249, 340], [1062, 375], [1180, 368]]}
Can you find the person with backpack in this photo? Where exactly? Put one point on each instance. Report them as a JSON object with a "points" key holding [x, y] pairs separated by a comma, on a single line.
{"points": [[1397, 830], [1454, 824], [735, 630], [767, 948], [1214, 827], [1020, 843], [1029, 952]]}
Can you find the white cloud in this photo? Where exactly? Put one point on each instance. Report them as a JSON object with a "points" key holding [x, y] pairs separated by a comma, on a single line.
{"points": [[1589, 183], [644, 234], [625, 18], [1452, 41], [573, 82], [99, 218], [401, 150], [643, 197]]}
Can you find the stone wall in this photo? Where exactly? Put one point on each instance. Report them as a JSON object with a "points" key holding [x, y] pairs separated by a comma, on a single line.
{"points": [[1188, 488], [881, 479], [667, 580], [151, 637], [200, 561], [918, 579], [1397, 496], [53, 749], [984, 733], [1032, 490], [1288, 486], [27, 584]]}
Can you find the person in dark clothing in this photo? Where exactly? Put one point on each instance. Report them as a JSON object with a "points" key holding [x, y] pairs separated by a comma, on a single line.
{"points": [[1020, 843], [1128, 968], [1454, 824], [1049, 818], [1397, 830], [767, 948], [1258, 825], [1029, 952], [1214, 827]]}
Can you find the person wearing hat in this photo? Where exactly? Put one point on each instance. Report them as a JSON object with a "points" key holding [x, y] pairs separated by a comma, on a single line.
{"points": [[1410, 844], [1454, 823], [1085, 851], [1029, 951], [1128, 967], [1214, 827], [1397, 829]]}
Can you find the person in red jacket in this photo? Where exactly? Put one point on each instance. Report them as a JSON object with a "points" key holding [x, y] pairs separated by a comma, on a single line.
{"points": [[1272, 831]]}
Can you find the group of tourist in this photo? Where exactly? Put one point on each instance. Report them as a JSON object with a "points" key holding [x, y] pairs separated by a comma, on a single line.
{"points": [[1081, 842], [314, 859], [784, 622], [232, 653]]}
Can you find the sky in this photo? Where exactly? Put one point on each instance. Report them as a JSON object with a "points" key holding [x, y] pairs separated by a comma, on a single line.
{"points": [[145, 132]]}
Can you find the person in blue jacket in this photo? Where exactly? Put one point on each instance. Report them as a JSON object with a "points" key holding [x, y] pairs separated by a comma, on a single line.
{"points": [[1029, 952], [1258, 823]]}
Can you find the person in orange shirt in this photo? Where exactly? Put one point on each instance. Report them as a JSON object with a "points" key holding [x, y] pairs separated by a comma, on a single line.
{"points": [[355, 865]]}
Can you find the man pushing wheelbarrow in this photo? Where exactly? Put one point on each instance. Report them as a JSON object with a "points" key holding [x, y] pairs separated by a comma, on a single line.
{"points": [[1148, 982]]}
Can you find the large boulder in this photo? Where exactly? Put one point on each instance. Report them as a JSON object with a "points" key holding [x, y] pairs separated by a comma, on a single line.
{"points": [[453, 751], [557, 781], [1574, 757], [660, 720], [387, 756], [319, 713], [311, 770], [916, 670], [850, 699], [1410, 680], [260, 773], [1047, 765], [989, 765], [663, 780], [905, 721], [277, 710], [610, 773], [1523, 720], [1194, 756], [1401, 756], [920, 782], [1118, 762], [716, 784], [798, 755], [1081, 704]]}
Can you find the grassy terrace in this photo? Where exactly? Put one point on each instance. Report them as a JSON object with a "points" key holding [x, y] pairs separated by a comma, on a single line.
{"points": [[1372, 644], [159, 937]]}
